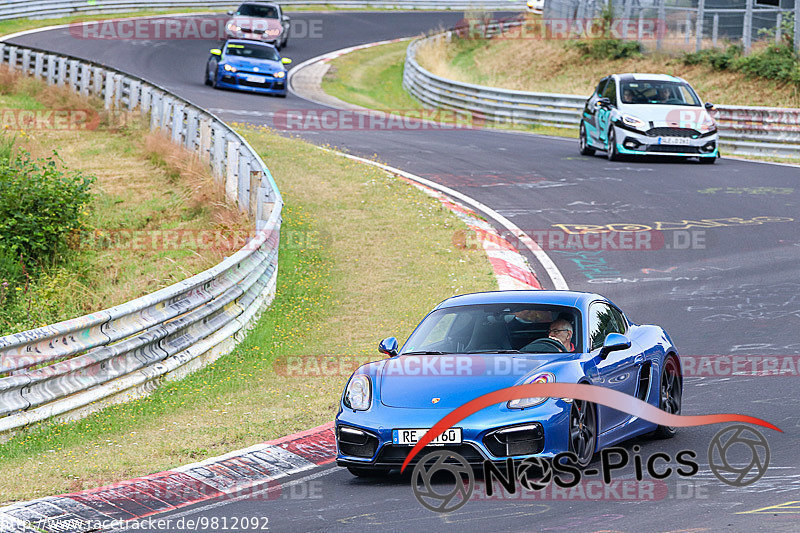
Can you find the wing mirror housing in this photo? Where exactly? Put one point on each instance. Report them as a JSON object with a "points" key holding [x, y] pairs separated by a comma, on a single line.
{"points": [[286, 61], [388, 346], [709, 106], [613, 343], [604, 102], [230, 13], [216, 52]]}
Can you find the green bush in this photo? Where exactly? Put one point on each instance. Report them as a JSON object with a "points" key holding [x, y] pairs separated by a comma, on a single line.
{"points": [[41, 205], [714, 57], [607, 48], [776, 62]]}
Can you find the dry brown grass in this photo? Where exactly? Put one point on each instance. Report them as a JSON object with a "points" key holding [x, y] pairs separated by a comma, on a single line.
{"points": [[551, 66]]}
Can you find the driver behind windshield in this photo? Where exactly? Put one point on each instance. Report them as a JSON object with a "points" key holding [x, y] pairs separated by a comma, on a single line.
{"points": [[559, 337]]}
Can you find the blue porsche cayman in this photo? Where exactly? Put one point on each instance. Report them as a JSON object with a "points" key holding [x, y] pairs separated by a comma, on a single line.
{"points": [[247, 66], [474, 344]]}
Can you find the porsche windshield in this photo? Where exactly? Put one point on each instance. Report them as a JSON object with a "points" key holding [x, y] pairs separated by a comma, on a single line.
{"points": [[257, 11], [658, 92], [253, 51], [498, 328]]}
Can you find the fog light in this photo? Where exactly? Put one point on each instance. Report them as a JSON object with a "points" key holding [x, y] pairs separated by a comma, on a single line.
{"points": [[709, 147], [631, 144]]}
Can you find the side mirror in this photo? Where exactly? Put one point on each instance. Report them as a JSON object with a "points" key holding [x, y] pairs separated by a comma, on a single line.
{"points": [[614, 342], [388, 347], [286, 61], [285, 18], [709, 106], [230, 13], [604, 102], [216, 52]]}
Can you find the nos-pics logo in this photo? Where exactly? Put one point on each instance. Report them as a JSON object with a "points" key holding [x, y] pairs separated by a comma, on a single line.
{"points": [[443, 481]]}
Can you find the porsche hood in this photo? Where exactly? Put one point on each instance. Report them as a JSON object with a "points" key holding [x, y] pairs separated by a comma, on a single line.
{"points": [[448, 381]]}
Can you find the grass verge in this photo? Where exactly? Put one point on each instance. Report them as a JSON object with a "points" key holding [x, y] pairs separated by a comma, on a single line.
{"points": [[363, 256], [373, 78], [147, 190]]}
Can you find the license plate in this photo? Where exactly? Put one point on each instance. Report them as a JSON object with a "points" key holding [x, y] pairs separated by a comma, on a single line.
{"points": [[256, 79], [682, 141], [409, 437]]}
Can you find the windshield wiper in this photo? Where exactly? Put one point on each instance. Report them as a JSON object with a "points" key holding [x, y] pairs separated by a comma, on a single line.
{"points": [[495, 351], [424, 352]]}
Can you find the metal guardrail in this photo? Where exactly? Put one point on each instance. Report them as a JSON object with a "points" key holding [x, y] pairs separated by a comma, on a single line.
{"points": [[10, 9], [762, 131], [124, 351]]}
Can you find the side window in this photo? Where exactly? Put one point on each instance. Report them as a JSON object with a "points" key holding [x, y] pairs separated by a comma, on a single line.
{"points": [[610, 91], [601, 86], [603, 319], [619, 319]]}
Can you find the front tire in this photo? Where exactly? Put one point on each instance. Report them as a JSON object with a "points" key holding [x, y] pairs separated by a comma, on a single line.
{"points": [[708, 160], [612, 153], [670, 393], [583, 431], [584, 142]]}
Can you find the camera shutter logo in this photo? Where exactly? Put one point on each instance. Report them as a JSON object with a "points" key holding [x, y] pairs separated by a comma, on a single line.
{"points": [[458, 480], [738, 455]]}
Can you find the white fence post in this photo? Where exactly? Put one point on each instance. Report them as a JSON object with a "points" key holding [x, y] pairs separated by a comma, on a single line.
{"points": [[38, 66], [747, 27], [701, 16], [715, 30], [61, 75], [232, 172], [797, 26]]}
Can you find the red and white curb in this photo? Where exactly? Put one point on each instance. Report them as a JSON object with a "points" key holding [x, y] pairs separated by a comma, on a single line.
{"points": [[252, 472]]}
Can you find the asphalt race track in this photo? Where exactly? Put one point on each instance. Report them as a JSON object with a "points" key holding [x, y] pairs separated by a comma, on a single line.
{"points": [[727, 287]]}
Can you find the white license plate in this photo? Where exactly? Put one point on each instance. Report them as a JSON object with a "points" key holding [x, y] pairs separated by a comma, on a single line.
{"points": [[409, 437], [682, 141], [256, 79]]}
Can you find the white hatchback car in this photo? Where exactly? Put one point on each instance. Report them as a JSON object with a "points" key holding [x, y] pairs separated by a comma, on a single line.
{"points": [[648, 114]]}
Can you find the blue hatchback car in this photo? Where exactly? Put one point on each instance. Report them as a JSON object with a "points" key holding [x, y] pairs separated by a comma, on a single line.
{"points": [[248, 66], [474, 344]]}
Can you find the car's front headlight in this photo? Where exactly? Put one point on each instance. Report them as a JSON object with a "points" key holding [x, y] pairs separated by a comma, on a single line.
{"points": [[358, 394], [522, 403], [633, 122], [234, 28], [229, 68], [280, 74]]}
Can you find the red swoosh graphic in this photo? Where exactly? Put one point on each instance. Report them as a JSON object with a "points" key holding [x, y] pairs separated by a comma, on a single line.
{"points": [[590, 393]]}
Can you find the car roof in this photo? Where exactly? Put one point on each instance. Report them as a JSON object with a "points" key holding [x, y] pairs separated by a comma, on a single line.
{"points": [[638, 76], [273, 4], [245, 41], [566, 298]]}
